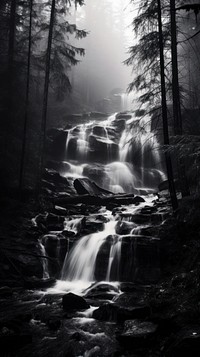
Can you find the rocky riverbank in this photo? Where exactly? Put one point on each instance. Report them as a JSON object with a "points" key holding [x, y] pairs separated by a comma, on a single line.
{"points": [[152, 318]]}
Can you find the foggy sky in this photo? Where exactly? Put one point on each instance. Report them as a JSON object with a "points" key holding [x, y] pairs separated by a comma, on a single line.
{"points": [[110, 35]]}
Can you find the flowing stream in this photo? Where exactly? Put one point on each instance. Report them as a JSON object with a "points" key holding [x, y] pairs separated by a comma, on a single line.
{"points": [[121, 155]]}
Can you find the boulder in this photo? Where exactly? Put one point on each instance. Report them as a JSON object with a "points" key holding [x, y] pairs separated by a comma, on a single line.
{"points": [[102, 291], [114, 312], [95, 172], [137, 333], [124, 227], [102, 149], [84, 186], [102, 261], [99, 131], [71, 301]]}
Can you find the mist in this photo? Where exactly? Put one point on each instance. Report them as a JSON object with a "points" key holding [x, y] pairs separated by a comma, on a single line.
{"points": [[101, 76]]}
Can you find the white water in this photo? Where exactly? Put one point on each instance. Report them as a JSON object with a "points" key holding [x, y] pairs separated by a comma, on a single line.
{"points": [[82, 258], [115, 253], [44, 261], [138, 162]]}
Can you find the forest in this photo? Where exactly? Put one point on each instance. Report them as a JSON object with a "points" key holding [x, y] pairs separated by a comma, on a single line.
{"points": [[100, 178]]}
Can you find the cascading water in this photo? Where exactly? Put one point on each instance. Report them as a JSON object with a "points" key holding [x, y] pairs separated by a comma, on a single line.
{"points": [[120, 154], [123, 147], [82, 258], [44, 261]]}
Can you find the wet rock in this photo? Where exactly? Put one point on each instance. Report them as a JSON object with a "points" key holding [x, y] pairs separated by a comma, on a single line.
{"points": [[95, 172], [123, 116], [148, 210], [103, 149], [54, 222], [124, 227], [102, 261], [137, 217], [85, 186], [102, 291], [138, 199], [92, 224], [71, 301], [50, 242], [119, 125], [61, 183], [137, 333], [140, 260], [113, 312], [99, 131], [111, 206]]}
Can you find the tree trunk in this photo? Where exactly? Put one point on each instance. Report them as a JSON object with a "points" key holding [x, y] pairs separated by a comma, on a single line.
{"points": [[22, 164], [45, 95], [10, 75], [172, 190], [176, 99]]}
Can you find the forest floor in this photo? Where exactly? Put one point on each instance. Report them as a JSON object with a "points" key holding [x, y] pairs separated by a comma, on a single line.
{"points": [[34, 324]]}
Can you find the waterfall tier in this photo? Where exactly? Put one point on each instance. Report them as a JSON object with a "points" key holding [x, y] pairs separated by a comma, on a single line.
{"points": [[120, 154]]}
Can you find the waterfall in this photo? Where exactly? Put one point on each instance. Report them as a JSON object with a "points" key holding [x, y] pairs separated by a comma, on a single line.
{"points": [[121, 154], [124, 146], [81, 260]]}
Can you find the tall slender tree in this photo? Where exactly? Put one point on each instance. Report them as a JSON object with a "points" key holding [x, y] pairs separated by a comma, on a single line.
{"points": [[178, 130], [59, 31], [164, 112], [24, 138]]}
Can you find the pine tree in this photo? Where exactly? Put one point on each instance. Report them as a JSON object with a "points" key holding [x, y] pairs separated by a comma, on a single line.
{"points": [[58, 52]]}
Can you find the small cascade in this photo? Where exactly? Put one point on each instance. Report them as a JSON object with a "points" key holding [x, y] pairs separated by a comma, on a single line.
{"points": [[45, 265], [69, 136], [73, 170], [121, 178], [72, 225], [82, 144], [115, 254], [82, 258]]}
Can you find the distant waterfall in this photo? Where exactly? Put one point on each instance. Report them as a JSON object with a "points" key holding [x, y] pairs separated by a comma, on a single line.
{"points": [[124, 148]]}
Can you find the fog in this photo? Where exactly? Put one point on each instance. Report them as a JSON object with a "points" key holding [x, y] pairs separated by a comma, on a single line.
{"points": [[101, 76]]}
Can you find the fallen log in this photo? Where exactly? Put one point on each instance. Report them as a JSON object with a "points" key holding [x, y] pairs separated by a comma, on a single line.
{"points": [[98, 200]]}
